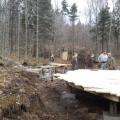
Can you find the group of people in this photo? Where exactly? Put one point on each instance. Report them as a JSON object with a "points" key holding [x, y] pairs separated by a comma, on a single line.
{"points": [[104, 61], [107, 61]]}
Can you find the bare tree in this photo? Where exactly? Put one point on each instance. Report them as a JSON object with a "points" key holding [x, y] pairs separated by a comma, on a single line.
{"points": [[37, 31], [26, 28], [18, 40]]}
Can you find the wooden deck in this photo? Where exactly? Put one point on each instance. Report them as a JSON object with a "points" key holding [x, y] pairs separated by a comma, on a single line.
{"points": [[105, 83]]}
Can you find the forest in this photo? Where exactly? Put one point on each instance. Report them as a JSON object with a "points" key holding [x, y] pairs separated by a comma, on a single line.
{"points": [[36, 28]]}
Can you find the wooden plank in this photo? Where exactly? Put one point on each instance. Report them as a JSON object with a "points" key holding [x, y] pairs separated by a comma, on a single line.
{"points": [[102, 94], [111, 97]]}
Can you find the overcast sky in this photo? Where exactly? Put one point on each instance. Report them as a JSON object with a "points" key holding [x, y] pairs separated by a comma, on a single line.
{"points": [[81, 5]]}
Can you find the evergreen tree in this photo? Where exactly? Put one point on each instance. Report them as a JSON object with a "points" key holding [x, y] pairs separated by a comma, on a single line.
{"points": [[65, 9], [45, 23], [73, 17], [116, 24], [33, 14], [73, 13], [104, 27], [40, 22]]}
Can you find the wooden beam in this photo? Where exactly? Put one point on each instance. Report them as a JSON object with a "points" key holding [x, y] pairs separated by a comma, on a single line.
{"points": [[113, 98]]}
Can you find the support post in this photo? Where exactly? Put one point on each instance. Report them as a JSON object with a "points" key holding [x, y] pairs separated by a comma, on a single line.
{"points": [[113, 108]]}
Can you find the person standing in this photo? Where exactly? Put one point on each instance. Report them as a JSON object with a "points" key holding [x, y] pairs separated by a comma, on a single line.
{"points": [[74, 62], [111, 63], [102, 59], [89, 61], [52, 58]]}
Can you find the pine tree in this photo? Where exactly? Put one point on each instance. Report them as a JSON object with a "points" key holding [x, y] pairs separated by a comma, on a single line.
{"points": [[116, 24], [104, 27], [73, 13], [65, 9], [45, 24], [73, 17], [35, 29]]}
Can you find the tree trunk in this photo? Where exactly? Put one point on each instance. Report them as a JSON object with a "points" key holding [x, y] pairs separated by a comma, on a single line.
{"points": [[37, 31]]}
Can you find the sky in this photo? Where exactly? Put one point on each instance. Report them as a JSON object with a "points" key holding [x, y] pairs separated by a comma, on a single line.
{"points": [[81, 5]]}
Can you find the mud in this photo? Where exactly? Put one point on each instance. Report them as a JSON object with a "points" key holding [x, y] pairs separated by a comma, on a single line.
{"points": [[26, 97]]}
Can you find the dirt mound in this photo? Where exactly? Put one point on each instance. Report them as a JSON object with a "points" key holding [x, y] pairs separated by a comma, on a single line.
{"points": [[25, 97]]}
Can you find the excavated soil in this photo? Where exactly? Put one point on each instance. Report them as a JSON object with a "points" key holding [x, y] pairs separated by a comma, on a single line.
{"points": [[23, 96]]}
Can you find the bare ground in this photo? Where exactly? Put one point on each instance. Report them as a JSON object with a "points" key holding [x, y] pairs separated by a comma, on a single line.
{"points": [[24, 97]]}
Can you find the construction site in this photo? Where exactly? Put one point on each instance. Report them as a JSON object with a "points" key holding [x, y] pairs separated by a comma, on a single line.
{"points": [[52, 92], [59, 60]]}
